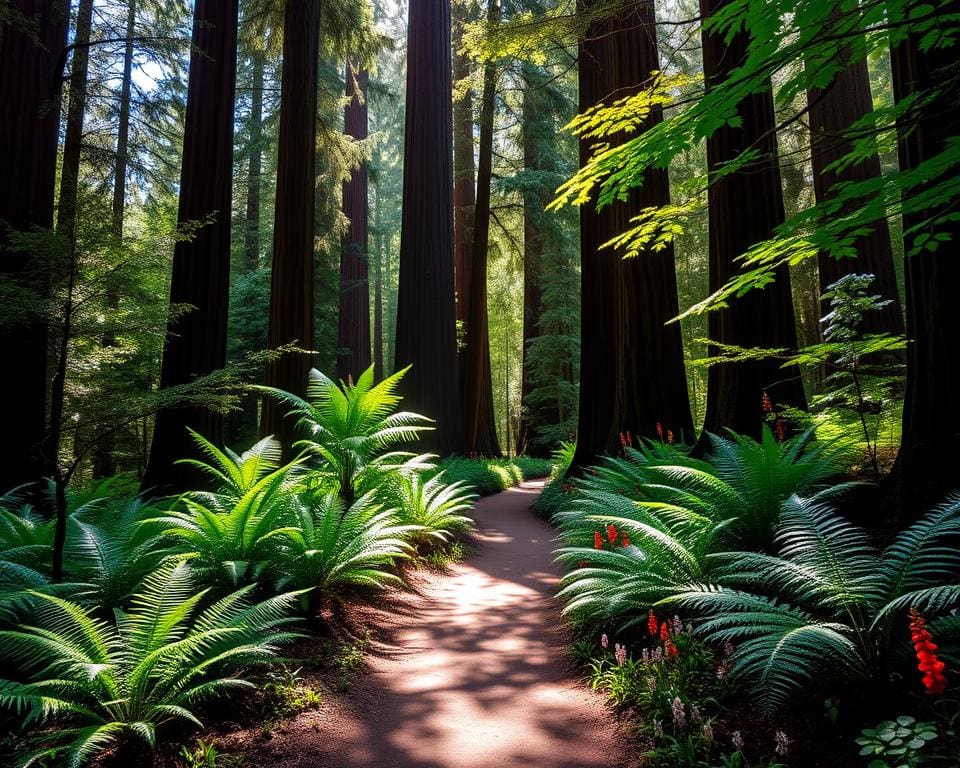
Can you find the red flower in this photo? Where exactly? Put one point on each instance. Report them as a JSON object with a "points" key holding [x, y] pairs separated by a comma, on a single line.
{"points": [[670, 648], [781, 431], [665, 632], [660, 431], [625, 539], [623, 439], [597, 541], [652, 623], [629, 438], [611, 533], [766, 403], [934, 678], [566, 488]]}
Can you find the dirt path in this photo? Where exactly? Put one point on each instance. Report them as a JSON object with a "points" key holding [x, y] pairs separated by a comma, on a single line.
{"points": [[468, 671]]}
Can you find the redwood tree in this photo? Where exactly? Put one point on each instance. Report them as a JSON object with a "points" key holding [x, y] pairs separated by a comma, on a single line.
{"points": [[426, 313], [632, 373], [744, 208], [833, 112], [197, 341], [30, 74], [292, 277], [353, 337], [464, 184], [930, 446], [123, 125], [477, 386]]}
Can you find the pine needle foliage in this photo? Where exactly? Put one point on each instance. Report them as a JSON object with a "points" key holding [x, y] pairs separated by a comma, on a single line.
{"points": [[116, 683]]}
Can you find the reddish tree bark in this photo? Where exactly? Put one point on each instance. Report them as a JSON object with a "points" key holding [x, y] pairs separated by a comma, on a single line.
{"points": [[477, 387], [197, 341], [930, 446], [632, 374], [464, 186], [292, 279], [762, 317], [29, 117], [353, 338], [833, 111], [426, 312]]}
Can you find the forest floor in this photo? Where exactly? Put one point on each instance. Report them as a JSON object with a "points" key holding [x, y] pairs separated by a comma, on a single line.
{"points": [[467, 669]]}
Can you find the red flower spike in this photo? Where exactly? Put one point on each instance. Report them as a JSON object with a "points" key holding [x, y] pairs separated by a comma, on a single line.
{"points": [[597, 541], [611, 533], [670, 648], [934, 679], [625, 539], [781, 431], [660, 431], [665, 632], [629, 438], [766, 403], [652, 623]]}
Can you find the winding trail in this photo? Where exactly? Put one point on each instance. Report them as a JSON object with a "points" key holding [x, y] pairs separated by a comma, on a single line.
{"points": [[466, 671]]}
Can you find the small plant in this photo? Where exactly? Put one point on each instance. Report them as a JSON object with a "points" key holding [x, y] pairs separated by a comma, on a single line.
{"points": [[897, 744], [864, 369], [204, 754], [285, 693], [443, 556]]}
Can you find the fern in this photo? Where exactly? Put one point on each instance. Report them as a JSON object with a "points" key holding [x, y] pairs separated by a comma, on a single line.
{"points": [[120, 681], [352, 429]]}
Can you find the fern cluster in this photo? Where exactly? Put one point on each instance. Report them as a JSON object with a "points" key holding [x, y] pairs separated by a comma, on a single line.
{"points": [[169, 603], [746, 540]]}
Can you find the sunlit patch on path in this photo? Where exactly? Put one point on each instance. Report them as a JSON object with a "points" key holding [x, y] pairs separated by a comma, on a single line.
{"points": [[469, 671]]}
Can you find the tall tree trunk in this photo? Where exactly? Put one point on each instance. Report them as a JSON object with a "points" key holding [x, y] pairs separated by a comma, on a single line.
{"points": [[532, 254], [833, 111], [197, 341], [378, 290], [426, 311], [477, 388], [762, 317], [930, 447], [251, 231], [632, 371], [292, 279], [73, 138], [102, 459], [464, 188], [123, 125], [30, 78], [353, 337]]}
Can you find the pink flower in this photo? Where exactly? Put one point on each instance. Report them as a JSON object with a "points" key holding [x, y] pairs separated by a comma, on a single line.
{"points": [[620, 654], [604, 640]]}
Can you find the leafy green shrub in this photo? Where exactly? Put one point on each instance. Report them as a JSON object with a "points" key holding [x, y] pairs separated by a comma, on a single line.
{"points": [[116, 683], [332, 549], [829, 603], [488, 476], [351, 430], [899, 744]]}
